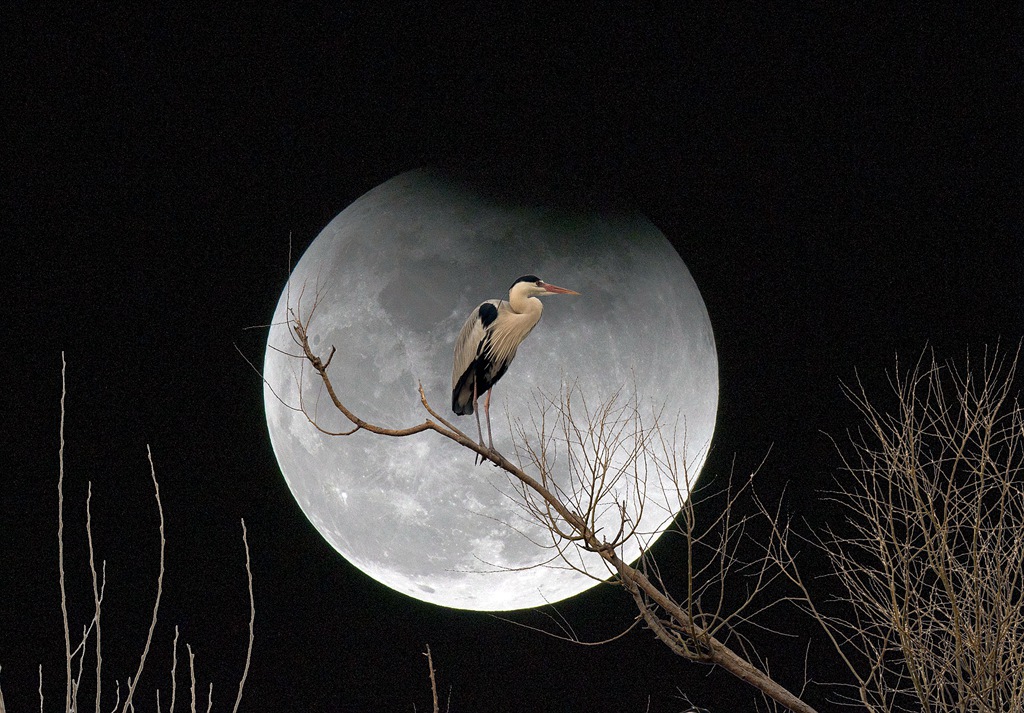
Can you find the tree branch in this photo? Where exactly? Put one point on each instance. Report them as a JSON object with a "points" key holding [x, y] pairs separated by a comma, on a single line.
{"points": [[581, 529]]}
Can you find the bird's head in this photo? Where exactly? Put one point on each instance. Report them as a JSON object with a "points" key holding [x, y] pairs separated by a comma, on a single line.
{"points": [[533, 286]]}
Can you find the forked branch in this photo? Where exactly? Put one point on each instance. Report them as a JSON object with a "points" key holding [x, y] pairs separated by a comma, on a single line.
{"points": [[574, 520]]}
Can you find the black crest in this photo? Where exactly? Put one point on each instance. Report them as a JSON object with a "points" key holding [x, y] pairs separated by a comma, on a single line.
{"points": [[526, 278]]}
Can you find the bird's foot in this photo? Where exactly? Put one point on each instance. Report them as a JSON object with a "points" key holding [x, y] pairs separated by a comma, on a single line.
{"points": [[479, 458]]}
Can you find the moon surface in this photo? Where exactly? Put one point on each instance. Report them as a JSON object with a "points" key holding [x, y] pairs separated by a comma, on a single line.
{"points": [[393, 277]]}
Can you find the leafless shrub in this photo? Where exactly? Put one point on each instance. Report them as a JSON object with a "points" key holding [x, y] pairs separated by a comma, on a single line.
{"points": [[75, 659], [928, 558]]}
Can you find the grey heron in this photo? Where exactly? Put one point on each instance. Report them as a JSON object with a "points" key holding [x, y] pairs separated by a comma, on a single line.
{"points": [[488, 341]]}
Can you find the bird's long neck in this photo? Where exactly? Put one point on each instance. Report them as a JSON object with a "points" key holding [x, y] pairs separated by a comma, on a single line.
{"points": [[529, 306]]}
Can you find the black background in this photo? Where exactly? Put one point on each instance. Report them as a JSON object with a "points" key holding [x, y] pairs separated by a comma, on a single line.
{"points": [[843, 184]]}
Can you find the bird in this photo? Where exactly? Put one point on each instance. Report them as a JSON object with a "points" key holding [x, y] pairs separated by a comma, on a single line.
{"points": [[487, 344]]}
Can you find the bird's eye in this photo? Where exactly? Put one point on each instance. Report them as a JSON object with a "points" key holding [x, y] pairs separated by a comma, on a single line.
{"points": [[539, 283]]}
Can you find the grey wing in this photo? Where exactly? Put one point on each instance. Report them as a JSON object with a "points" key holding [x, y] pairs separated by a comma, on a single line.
{"points": [[468, 342]]}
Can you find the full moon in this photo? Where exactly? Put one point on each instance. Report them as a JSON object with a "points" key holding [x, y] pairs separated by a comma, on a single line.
{"points": [[393, 277]]}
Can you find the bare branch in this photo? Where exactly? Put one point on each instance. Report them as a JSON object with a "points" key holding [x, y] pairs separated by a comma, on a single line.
{"points": [[97, 596], [192, 674], [252, 620], [608, 450], [159, 585], [60, 543], [174, 669], [569, 635], [433, 682]]}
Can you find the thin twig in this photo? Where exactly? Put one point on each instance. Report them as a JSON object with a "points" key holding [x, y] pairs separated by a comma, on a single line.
{"points": [[252, 620], [60, 543], [97, 596], [159, 585], [192, 674], [174, 669]]}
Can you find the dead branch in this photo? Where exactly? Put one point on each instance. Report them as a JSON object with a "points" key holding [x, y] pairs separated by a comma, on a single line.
{"points": [[573, 519], [433, 682]]}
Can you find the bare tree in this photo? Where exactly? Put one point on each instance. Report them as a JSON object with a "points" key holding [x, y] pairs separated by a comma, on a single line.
{"points": [[607, 449], [928, 558], [75, 658]]}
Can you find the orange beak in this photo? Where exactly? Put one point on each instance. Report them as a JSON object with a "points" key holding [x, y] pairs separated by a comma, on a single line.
{"points": [[558, 290]]}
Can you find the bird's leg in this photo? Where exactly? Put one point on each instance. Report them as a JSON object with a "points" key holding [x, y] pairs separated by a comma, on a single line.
{"points": [[476, 409], [487, 410]]}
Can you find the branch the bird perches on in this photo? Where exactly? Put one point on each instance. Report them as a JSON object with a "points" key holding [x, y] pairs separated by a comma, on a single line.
{"points": [[672, 623]]}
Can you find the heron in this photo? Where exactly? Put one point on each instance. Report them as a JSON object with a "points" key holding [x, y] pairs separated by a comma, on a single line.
{"points": [[488, 341]]}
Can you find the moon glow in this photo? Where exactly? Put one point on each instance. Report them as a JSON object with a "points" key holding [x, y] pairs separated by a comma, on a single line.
{"points": [[394, 276]]}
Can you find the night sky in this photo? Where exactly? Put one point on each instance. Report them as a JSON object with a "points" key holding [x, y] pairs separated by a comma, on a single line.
{"points": [[843, 186]]}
